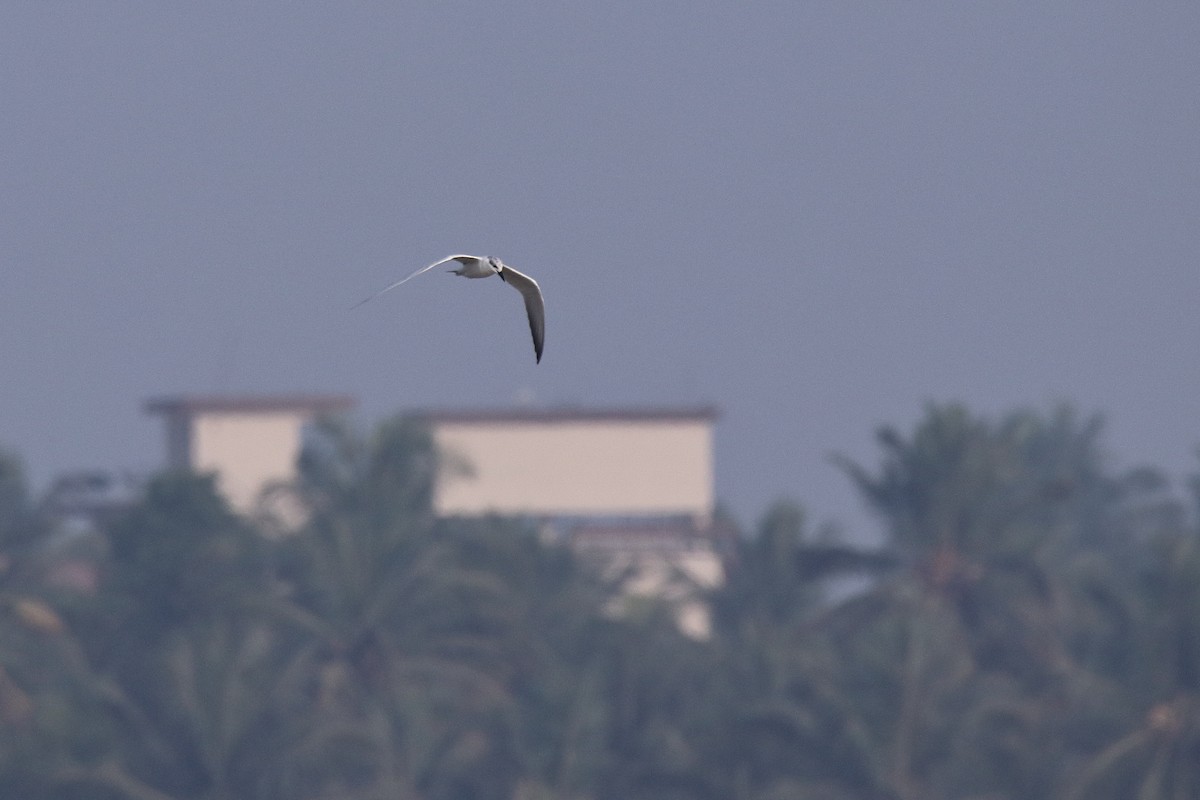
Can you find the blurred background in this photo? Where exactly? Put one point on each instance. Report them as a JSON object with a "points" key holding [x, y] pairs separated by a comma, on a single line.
{"points": [[860, 464], [814, 217]]}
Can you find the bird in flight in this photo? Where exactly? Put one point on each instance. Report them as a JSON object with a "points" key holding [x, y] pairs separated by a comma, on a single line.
{"points": [[484, 267]]}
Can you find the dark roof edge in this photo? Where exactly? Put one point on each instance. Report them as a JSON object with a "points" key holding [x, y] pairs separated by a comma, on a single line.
{"points": [[570, 414], [191, 404]]}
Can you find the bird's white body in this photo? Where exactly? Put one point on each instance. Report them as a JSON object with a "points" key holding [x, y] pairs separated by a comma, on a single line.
{"points": [[485, 267], [479, 268]]}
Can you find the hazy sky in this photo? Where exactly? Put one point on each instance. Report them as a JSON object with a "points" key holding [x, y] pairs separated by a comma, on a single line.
{"points": [[816, 216]]}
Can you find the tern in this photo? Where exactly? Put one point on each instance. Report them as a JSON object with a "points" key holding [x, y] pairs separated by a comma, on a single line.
{"points": [[485, 267]]}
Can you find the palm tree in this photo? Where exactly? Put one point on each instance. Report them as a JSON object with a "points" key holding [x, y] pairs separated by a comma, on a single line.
{"points": [[983, 515], [786, 728], [173, 674], [197, 719], [177, 557], [42, 666], [400, 640], [1153, 756], [19, 524]]}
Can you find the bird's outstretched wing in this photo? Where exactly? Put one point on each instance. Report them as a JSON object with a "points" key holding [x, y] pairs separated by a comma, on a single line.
{"points": [[534, 307], [409, 278]]}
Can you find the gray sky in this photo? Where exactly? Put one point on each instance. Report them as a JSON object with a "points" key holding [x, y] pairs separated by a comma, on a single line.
{"points": [[817, 216]]}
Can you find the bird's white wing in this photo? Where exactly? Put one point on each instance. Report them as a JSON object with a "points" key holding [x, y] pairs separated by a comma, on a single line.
{"points": [[534, 307], [410, 277]]}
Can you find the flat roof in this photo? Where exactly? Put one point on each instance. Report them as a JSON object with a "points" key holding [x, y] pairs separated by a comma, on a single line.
{"points": [[248, 404], [565, 414]]}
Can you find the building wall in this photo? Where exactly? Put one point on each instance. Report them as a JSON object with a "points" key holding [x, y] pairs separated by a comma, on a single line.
{"points": [[249, 441], [577, 467], [248, 451], [676, 577]]}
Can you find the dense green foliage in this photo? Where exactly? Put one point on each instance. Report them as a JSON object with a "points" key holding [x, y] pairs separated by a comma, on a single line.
{"points": [[1030, 629]]}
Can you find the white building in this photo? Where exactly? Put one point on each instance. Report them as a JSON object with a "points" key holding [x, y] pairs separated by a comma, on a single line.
{"points": [[629, 489], [576, 463], [251, 442]]}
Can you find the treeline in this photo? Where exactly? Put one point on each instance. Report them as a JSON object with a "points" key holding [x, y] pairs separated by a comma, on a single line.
{"points": [[1030, 629]]}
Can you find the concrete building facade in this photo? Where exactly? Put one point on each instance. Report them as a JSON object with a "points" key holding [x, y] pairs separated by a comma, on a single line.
{"points": [[576, 463], [250, 442], [630, 490]]}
